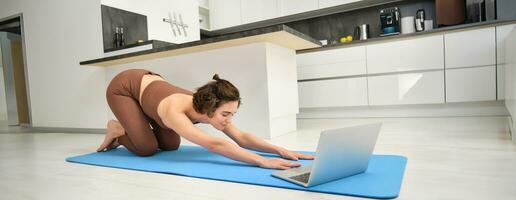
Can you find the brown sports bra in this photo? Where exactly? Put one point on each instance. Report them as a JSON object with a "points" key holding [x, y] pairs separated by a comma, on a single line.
{"points": [[154, 93]]}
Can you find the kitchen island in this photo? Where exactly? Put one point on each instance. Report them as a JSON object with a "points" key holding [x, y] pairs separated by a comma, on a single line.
{"points": [[260, 62]]}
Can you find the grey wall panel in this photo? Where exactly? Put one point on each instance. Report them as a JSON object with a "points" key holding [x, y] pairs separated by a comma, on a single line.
{"points": [[506, 9], [332, 27]]}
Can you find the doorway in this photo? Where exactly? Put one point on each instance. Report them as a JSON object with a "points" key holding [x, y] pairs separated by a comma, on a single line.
{"points": [[14, 98]]}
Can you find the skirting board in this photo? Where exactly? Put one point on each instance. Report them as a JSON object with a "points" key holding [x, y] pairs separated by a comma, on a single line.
{"points": [[67, 130], [470, 109]]}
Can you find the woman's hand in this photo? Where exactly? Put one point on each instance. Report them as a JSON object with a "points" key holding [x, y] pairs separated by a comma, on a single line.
{"points": [[292, 155], [277, 163]]}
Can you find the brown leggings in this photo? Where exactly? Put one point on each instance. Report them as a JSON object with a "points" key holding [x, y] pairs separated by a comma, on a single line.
{"points": [[143, 136]]}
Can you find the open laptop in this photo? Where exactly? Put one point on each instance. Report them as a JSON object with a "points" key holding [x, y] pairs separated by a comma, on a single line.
{"points": [[340, 153]]}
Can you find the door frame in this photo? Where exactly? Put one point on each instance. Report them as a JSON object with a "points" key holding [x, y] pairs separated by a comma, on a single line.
{"points": [[25, 68]]}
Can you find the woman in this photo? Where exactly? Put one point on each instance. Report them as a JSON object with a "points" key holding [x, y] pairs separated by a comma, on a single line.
{"points": [[153, 114]]}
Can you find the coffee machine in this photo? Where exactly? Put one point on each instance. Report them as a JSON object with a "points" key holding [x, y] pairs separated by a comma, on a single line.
{"points": [[390, 21]]}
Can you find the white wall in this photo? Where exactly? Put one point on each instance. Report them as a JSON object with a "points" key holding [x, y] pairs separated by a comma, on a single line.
{"points": [[58, 35], [156, 10]]}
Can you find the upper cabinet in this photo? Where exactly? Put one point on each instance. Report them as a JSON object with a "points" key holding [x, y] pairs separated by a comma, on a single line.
{"points": [[253, 10], [225, 13], [470, 48], [204, 14], [330, 3], [228, 13], [289, 7], [185, 13]]}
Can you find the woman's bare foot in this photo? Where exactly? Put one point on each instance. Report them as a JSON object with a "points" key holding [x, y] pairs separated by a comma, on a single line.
{"points": [[114, 130]]}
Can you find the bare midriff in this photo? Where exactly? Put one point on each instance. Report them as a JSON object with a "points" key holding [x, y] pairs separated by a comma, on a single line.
{"points": [[146, 80]]}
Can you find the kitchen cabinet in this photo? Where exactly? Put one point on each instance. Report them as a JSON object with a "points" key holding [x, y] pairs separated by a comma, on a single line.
{"points": [[330, 3], [470, 48], [502, 34], [289, 7], [500, 82], [204, 3], [410, 88], [253, 10], [461, 66], [471, 84], [159, 9], [510, 76], [333, 93], [423, 53], [225, 13], [332, 63]]}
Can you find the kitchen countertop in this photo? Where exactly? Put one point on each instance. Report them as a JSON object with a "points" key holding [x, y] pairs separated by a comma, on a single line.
{"points": [[409, 35], [279, 34], [155, 44]]}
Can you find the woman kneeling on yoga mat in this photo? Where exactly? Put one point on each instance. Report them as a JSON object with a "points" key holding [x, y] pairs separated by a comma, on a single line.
{"points": [[154, 114]]}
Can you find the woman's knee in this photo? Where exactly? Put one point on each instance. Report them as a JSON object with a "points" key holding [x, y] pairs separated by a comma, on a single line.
{"points": [[147, 150], [170, 145]]}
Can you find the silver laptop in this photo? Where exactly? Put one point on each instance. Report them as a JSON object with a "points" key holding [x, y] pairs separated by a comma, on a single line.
{"points": [[340, 153]]}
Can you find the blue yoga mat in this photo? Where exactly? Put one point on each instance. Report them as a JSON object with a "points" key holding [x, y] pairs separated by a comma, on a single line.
{"points": [[381, 180]]}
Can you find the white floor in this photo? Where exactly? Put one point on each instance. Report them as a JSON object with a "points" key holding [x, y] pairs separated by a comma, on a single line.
{"points": [[448, 158]]}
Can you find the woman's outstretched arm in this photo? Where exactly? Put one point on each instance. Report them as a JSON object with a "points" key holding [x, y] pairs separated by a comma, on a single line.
{"points": [[180, 123], [252, 142]]}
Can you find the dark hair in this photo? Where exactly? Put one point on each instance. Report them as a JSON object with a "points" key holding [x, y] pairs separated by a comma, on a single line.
{"points": [[213, 94]]}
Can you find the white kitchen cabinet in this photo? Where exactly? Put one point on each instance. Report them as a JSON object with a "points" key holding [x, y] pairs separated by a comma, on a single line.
{"points": [[510, 79], [333, 93], [225, 13], [406, 55], [500, 82], [330, 3], [253, 10], [471, 84], [204, 3], [160, 9], [332, 63], [289, 7], [411, 88], [470, 48], [502, 34]]}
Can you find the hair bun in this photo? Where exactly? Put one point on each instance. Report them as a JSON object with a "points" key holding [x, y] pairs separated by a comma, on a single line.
{"points": [[216, 77]]}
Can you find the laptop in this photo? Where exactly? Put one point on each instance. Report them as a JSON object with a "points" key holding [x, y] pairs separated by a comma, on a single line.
{"points": [[340, 153]]}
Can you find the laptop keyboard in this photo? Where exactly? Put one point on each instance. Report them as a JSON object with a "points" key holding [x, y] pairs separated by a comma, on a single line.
{"points": [[303, 178]]}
